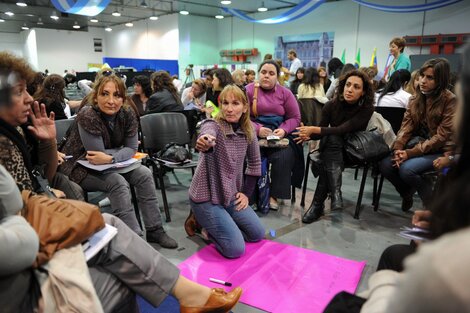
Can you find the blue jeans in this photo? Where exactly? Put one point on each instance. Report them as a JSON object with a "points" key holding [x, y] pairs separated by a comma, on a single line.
{"points": [[407, 178], [228, 228]]}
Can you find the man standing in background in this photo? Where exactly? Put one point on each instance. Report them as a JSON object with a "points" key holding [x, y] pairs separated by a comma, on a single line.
{"points": [[296, 63]]}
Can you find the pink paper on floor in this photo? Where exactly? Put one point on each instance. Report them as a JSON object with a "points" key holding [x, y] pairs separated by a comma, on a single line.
{"points": [[276, 277]]}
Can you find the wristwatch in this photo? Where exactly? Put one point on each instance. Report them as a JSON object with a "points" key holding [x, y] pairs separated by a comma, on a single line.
{"points": [[113, 160], [450, 157]]}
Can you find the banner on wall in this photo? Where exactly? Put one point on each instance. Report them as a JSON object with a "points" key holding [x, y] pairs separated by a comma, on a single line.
{"points": [[313, 50]]}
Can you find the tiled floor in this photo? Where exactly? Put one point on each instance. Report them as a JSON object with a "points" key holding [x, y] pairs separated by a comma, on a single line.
{"points": [[337, 233]]}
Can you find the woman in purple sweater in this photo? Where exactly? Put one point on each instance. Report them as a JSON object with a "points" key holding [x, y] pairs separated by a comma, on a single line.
{"points": [[220, 187], [277, 113]]}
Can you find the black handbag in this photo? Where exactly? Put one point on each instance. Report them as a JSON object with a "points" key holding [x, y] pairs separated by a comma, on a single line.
{"points": [[365, 146], [174, 153]]}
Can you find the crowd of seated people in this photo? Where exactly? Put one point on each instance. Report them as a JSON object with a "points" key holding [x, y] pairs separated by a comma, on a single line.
{"points": [[106, 131], [125, 266]]}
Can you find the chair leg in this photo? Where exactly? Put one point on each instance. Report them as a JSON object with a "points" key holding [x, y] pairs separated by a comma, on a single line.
{"points": [[162, 188], [136, 207], [361, 192], [356, 172], [374, 191], [304, 187], [292, 199], [379, 192]]}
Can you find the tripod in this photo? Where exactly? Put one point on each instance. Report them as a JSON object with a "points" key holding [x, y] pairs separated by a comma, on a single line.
{"points": [[189, 76]]}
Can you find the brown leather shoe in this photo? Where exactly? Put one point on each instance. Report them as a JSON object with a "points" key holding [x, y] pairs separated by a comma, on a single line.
{"points": [[219, 302], [191, 226]]}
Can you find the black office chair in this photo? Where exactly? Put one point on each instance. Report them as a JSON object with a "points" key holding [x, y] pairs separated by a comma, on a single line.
{"points": [[159, 129], [61, 127], [394, 116]]}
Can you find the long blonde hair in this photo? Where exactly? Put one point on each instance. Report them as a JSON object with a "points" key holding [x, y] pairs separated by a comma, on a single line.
{"points": [[245, 122]]}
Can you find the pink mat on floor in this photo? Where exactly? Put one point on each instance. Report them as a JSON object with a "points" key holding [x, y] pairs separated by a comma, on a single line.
{"points": [[276, 277]]}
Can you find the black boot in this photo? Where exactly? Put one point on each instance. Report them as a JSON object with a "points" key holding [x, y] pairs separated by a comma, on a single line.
{"points": [[335, 175], [315, 211]]}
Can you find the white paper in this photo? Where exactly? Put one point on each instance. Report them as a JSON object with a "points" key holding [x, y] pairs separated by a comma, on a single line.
{"points": [[98, 240], [104, 167]]}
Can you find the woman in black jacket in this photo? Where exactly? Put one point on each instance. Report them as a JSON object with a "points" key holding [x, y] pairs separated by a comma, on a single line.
{"points": [[348, 112]]}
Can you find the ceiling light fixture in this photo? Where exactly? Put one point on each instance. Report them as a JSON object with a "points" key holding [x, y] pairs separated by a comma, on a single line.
{"points": [[94, 20], [76, 26], [153, 18], [108, 29], [143, 4], [219, 16], [9, 13], [21, 4], [40, 21], [129, 24], [54, 16], [116, 13], [24, 27], [184, 12], [225, 2], [262, 8], [2, 20]]}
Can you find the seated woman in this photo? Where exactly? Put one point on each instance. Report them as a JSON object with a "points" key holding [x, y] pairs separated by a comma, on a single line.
{"points": [[220, 187], [52, 94], [324, 80], [106, 132], [299, 76], [412, 86], [194, 97], [393, 95], [142, 92], [250, 76], [221, 77], [165, 97], [276, 113], [424, 135], [239, 78], [348, 112], [310, 88]]}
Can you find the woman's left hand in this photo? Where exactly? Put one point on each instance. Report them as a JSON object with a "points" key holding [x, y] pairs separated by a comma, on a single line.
{"points": [[241, 202], [43, 126], [98, 157], [304, 132], [281, 133]]}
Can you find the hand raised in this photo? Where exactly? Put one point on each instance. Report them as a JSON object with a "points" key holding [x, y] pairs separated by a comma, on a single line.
{"points": [[43, 126]]}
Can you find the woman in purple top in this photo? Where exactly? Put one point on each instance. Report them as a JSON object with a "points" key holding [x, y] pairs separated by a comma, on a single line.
{"points": [[277, 113], [220, 187]]}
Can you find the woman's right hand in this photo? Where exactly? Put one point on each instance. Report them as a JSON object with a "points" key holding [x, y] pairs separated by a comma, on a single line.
{"points": [[264, 132], [205, 142]]}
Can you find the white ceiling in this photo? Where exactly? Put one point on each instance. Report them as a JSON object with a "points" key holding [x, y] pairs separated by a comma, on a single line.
{"points": [[131, 10]]}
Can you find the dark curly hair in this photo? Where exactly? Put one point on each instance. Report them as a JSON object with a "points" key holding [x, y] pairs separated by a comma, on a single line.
{"points": [[11, 64], [367, 99], [144, 81]]}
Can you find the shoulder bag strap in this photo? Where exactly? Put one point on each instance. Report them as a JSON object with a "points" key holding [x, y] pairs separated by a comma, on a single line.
{"points": [[255, 99]]}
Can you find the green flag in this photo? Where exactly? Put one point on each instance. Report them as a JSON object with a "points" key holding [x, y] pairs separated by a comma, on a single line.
{"points": [[357, 62], [343, 57]]}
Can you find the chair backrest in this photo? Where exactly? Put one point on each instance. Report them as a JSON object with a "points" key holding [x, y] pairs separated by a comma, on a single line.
{"points": [[392, 114], [159, 129], [61, 127]]}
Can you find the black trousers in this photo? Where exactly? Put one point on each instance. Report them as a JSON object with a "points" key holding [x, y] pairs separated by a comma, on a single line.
{"points": [[392, 258]]}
